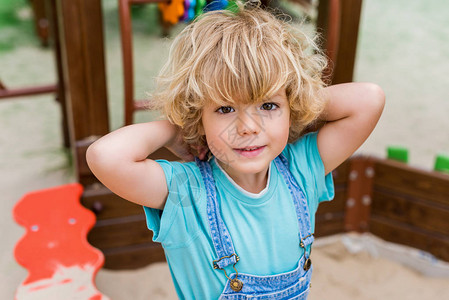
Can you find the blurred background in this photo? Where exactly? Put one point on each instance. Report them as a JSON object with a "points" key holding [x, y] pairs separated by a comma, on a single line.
{"points": [[402, 45]]}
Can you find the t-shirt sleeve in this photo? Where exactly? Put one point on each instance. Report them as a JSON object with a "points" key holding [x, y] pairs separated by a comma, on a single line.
{"points": [[305, 161], [177, 223]]}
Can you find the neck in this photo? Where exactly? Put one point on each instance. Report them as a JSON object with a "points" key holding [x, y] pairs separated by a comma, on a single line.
{"points": [[252, 182]]}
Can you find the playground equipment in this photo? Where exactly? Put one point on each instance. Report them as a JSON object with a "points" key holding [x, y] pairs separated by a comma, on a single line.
{"points": [[54, 248], [399, 153], [442, 163], [45, 23], [131, 105], [393, 201]]}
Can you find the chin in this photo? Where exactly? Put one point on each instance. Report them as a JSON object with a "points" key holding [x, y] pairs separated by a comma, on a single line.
{"points": [[251, 167]]}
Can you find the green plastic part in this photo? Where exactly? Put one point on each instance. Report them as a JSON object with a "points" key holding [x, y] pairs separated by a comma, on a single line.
{"points": [[442, 163], [397, 153], [232, 6]]}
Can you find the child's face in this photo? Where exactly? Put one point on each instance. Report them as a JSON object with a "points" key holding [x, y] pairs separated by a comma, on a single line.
{"points": [[245, 138]]}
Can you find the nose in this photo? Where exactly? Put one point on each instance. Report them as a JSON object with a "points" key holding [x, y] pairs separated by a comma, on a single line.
{"points": [[248, 123]]}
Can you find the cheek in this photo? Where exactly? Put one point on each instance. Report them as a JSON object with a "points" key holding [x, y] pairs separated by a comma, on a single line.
{"points": [[284, 130], [210, 132]]}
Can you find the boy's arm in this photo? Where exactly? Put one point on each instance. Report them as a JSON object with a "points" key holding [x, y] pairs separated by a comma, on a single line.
{"points": [[119, 161], [351, 113]]}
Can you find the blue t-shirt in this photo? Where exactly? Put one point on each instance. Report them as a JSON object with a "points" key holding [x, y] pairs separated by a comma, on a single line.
{"points": [[263, 227]]}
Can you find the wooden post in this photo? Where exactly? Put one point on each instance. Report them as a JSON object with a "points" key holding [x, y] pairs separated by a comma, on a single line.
{"points": [[41, 21], [83, 65], [60, 89], [360, 187], [330, 217], [349, 29]]}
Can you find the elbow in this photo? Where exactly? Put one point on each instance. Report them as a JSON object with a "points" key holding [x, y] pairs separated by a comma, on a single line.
{"points": [[93, 156], [90, 156], [102, 158], [375, 97]]}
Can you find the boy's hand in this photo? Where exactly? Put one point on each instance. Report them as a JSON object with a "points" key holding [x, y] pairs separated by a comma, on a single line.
{"points": [[184, 151], [180, 148]]}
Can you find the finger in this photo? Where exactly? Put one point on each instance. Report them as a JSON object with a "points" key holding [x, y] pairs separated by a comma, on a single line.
{"points": [[203, 153]]}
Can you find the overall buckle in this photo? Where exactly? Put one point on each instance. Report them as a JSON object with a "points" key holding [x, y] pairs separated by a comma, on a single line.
{"points": [[308, 261], [235, 284]]}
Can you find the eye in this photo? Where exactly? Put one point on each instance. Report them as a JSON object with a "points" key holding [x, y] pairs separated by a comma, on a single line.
{"points": [[225, 110], [269, 106]]}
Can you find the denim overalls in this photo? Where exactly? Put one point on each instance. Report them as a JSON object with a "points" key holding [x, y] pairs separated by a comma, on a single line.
{"points": [[291, 285]]}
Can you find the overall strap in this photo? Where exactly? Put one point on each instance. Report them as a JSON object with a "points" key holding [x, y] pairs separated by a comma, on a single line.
{"points": [[224, 248], [302, 210]]}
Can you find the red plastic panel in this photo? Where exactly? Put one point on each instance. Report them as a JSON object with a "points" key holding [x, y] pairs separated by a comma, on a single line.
{"points": [[54, 250]]}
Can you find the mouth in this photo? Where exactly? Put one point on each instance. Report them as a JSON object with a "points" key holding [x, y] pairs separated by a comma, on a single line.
{"points": [[250, 151]]}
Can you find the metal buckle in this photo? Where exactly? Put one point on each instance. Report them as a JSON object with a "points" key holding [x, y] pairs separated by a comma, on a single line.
{"points": [[307, 264], [215, 262], [301, 242], [235, 284], [308, 261]]}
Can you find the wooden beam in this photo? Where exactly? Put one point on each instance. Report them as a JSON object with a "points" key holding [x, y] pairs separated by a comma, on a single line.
{"points": [[41, 21], [81, 33], [60, 93], [411, 207], [20, 92], [330, 216], [417, 212], [350, 11], [83, 65], [116, 219], [359, 194], [133, 256], [399, 178], [413, 236]]}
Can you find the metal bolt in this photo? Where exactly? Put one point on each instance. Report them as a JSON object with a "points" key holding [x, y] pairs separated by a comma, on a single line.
{"points": [[366, 200], [353, 175], [369, 172], [350, 202]]}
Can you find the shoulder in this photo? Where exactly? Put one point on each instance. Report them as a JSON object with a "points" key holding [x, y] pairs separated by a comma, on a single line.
{"points": [[304, 151], [175, 170], [183, 208], [184, 181]]}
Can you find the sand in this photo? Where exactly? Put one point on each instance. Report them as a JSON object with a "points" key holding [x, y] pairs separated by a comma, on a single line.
{"points": [[339, 274], [403, 47]]}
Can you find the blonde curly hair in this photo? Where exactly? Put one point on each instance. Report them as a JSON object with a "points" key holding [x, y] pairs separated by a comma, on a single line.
{"points": [[247, 55]]}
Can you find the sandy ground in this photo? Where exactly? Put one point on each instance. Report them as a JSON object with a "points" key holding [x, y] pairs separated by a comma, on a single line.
{"points": [[340, 273], [403, 47]]}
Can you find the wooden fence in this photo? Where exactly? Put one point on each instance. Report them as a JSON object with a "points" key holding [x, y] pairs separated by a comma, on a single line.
{"points": [[393, 201]]}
